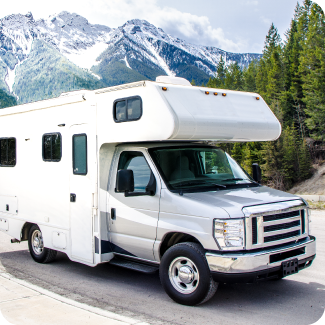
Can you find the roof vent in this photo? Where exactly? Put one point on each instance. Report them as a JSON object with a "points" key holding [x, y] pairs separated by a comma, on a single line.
{"points": [[173, 80]]}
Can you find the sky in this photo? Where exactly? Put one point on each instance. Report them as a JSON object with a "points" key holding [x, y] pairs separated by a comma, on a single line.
{"points": [[238, 26]]}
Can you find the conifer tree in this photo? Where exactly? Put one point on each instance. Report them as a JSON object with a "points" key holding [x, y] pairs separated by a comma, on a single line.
{"points": [[234, 79], [221, 73], [249, 76], [312, 68]]}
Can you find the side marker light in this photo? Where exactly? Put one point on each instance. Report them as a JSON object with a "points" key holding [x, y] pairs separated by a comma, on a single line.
{"points": [[164, 88]]}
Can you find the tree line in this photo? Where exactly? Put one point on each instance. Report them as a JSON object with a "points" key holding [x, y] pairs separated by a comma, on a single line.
{"points": [[290, 77]]}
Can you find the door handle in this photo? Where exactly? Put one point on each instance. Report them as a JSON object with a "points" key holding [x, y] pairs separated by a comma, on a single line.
{"points": [[113, 214], [73, 197]]}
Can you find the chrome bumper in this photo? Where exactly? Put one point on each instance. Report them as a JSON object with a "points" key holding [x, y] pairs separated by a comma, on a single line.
{"points": [[248, 262]]}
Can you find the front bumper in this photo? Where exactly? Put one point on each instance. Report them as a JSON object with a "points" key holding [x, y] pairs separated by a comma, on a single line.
{"points": [[261, 263]]}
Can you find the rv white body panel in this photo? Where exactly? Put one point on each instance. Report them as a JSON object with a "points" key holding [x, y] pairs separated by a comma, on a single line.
{"points": [[39, 192]]}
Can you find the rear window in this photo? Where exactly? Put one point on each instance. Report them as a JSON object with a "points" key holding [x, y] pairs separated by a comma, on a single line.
{"points": [[127, 109]]}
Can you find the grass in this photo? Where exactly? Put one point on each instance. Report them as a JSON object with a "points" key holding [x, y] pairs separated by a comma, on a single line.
{"points": [[316, 205]]}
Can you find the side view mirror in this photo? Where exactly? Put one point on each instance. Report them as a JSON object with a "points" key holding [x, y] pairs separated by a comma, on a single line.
{"points": [[257, 174], [125, 183], [125, 180]]}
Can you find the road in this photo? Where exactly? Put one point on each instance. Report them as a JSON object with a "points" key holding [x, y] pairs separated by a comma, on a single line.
{"points": [[298, 299]]}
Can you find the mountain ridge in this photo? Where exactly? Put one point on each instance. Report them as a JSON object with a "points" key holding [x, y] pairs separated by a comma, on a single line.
{"points": [[96, 55]]}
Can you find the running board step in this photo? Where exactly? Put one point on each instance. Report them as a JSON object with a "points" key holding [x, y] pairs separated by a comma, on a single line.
{"points": [[136, 266]]}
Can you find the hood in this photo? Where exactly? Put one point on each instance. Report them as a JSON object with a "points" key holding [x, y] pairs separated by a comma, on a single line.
{"points": [[234, 200]]}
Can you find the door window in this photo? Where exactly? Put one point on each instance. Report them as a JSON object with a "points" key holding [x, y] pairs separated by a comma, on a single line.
{"points": [[79, 145], [135, 161]]}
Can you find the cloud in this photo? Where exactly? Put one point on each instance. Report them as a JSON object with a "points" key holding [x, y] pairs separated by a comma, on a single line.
{"points": [[113, 13], [265, 20], [252, 3]]}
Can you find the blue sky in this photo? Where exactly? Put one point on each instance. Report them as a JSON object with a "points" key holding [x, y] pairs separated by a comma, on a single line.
{"points": [[233, 25]]}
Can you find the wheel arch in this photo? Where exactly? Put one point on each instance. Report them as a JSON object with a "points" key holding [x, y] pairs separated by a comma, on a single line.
{"points": [[172, 238], [25, 230]]}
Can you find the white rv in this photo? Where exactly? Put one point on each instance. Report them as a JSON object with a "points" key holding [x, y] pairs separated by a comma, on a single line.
{"points": [[132, 175]]}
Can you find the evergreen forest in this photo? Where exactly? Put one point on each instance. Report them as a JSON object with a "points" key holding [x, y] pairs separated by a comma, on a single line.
{"points": [[291, 78]]}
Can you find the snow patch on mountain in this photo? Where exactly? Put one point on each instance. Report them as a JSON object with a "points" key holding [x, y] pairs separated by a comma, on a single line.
{"points": [[126, 62], [87, 46], [86, 58]]}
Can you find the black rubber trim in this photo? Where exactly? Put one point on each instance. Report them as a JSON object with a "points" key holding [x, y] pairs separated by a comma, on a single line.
{"points": [[251, 277], [108, 247]]}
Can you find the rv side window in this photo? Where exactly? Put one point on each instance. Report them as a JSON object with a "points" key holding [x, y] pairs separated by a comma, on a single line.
{"points": [[52, 147], [127, 109], [8, 152], [79, 148]]}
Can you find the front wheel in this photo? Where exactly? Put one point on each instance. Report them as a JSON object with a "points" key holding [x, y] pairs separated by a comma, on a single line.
{"points": [[185, 274], [39, 253]]}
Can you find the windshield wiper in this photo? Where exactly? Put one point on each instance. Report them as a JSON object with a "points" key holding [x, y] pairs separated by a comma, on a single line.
{"points": [[213, 185], [232, 179], [189, 182]]}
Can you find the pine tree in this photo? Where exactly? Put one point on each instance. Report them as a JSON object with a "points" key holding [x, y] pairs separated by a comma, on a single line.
{"points": [[237, 153], [249, 76], [221, 73], [312, 68], [234, 78]]}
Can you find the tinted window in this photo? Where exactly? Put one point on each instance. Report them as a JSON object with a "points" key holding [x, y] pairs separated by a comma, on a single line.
{"points": [[79, 144], [195, 168], [120, 111], [128, 109], [134, 108], [52, 147], [135, 161], [8, 152]]}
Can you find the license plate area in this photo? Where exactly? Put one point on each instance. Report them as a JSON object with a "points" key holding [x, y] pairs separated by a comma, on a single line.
{"points": [[289, 267]]}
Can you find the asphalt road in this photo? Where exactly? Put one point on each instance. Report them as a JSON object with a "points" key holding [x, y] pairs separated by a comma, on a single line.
{"points": [[298, 299]]}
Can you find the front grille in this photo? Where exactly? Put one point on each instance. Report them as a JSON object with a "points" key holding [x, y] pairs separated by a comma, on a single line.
{"points": [[281, 216], [303, 227], [282, 226], [281, 236], [254, 231], [271, 228]]}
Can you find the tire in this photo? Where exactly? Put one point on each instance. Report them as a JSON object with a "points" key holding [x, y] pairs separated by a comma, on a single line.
{"points": [[39, 253], [194, 284]]}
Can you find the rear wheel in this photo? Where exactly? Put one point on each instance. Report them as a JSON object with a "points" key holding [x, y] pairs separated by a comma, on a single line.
{"points": [[185, 274], [37, 250]]}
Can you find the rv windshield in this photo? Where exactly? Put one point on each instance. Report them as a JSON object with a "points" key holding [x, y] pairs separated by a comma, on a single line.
{"points": [[199, 169]]}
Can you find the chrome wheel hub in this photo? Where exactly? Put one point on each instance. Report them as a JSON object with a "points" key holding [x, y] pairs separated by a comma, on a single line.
{"points": [[37, 242], [183, 275]]}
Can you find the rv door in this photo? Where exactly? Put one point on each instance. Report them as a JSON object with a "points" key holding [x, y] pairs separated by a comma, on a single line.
{"points": [[83, 145]]}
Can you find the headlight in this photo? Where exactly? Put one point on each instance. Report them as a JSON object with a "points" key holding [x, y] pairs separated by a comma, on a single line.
{"points": [[230, 234]]}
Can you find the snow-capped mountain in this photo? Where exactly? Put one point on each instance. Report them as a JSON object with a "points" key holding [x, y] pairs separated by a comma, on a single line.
{"points": [[65, 52]]}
